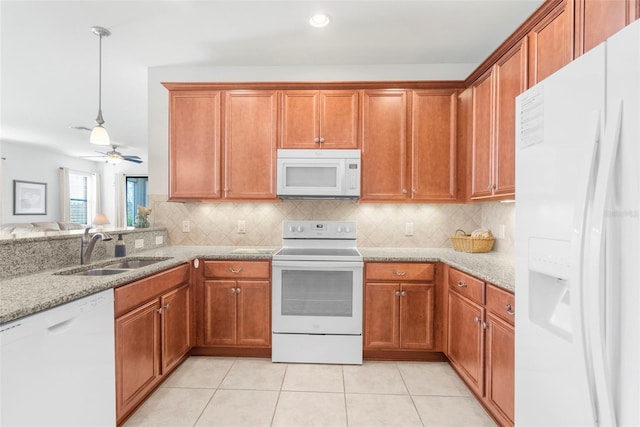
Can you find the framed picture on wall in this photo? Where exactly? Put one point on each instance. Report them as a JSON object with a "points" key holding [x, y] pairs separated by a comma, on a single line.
{"points": [[29, 198]]}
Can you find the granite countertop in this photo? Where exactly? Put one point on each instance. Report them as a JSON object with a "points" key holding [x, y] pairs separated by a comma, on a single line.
{"points": [[24, 295]]}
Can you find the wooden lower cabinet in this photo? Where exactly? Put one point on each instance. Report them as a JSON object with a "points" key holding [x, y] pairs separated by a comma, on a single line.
{"points": [[399, 307], [236, 304], [481, 341], [152, 334], [466, 340], [499, 370], [237, 313]]}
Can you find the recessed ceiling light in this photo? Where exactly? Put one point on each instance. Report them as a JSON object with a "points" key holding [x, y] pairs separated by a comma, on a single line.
{"points": [[320, 20]]}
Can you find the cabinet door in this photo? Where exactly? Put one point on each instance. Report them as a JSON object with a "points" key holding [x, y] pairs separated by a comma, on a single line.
{"points": [[417, 316], [482, 133], [194, 145], [176, 326], [250, 132], [384, 145], [465, 346], [551, 43], [137, 342], [254, 313], [339, 119], [219, 312], [597, 20], [500, 368], [511, 81], [433, 145], [300, 124], [381, 315]]}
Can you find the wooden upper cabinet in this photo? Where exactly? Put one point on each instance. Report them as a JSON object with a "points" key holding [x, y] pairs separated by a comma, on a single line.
{"points": [[194, 145], [482, 132], [320, 119], [597, 20], [551, 42], [493, 134], [250, 142], [511, 81], [433, 145], [384, 145]]}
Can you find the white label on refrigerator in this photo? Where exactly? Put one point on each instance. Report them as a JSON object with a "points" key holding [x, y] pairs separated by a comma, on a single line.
{"points": [[532, 117]]}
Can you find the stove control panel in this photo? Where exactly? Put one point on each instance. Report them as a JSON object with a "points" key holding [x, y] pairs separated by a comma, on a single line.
{"points": [[319, 230]]}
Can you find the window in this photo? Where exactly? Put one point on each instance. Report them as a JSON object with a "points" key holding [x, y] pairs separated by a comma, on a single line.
{"points": [[137, 188], [82, 197]]}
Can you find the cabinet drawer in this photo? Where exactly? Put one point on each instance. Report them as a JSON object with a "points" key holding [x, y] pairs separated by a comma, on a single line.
{"points": [[143, 290], [466, 285], [237, 269], [399, 271], [501, 303]]}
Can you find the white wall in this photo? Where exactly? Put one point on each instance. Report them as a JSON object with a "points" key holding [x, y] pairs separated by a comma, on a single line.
{"points": [[31, 163], [158, 95]]}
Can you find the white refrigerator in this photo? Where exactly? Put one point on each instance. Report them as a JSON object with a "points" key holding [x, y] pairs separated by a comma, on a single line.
{"points": [[577, 348]]}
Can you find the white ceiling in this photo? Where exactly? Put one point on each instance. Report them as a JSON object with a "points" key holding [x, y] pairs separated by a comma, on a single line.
{"points": [[49, 56]]}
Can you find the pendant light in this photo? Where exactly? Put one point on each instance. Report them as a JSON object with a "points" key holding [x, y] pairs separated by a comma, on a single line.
{"points": [[99, 135]]}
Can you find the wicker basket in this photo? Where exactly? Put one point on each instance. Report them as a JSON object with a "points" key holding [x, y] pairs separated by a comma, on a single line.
{"points": [[465, 243]]}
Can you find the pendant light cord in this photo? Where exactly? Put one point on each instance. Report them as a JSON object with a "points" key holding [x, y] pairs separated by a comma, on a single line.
{"points": [[99, 119]]}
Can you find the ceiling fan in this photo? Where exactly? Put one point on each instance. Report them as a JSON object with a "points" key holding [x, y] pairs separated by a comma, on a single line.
{"points": [[114, 157]]}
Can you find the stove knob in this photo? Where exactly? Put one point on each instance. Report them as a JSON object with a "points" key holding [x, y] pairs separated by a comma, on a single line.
{"points": [[347, 230], [339, 229], [300, 229], [292, 228]]}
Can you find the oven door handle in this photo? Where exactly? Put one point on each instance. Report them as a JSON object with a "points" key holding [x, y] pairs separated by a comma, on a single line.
{"points": [[317, 265]]}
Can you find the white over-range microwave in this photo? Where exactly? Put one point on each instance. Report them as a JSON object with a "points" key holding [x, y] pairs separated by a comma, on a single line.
{"points": [[318, 174]]}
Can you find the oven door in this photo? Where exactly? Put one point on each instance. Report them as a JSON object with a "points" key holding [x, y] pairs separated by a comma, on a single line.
{"points": [[317, 297]]}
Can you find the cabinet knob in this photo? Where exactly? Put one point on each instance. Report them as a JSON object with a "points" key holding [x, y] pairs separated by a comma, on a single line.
{"points": [[233, 290], [461, 284], [404, 191], [196, 263], [397, 293], [166, 307], [476, 319], [510, 311], [484, 325], [403, 293], [316, 140], [159, 310], [321, 140], [237, 290], [414, 191]]}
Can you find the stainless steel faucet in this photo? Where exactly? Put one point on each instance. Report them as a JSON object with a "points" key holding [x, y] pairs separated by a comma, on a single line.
{"points": [[86, 248]]}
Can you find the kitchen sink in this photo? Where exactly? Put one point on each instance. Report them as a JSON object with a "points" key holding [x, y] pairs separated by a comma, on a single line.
{"points": [[101, 272], [113, 267], [131, 264]]}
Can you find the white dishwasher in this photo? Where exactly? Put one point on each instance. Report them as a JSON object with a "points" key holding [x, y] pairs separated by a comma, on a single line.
{"points": [[57, 367]]}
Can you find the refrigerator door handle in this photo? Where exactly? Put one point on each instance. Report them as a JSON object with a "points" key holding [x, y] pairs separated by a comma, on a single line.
{"points": [[594, 272]]}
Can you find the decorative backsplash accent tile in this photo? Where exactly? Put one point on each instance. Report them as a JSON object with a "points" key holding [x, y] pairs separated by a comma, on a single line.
{"points": [[379, 225]]}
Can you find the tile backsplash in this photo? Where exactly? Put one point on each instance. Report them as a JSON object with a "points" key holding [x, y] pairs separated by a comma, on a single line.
{"points": [[379, 225]]}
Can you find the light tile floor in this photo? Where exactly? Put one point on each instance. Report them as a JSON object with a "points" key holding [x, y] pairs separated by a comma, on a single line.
{"points": [[211, 391]]}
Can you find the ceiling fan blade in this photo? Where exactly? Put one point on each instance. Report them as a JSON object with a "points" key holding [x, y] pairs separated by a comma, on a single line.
{"points": [[134, 159]]}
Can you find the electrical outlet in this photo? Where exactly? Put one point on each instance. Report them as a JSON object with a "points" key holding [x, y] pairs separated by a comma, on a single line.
{"points": [[501, 231], [242, 226], [139, 243], [408, 229], [159, 240], [186, 226]]}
